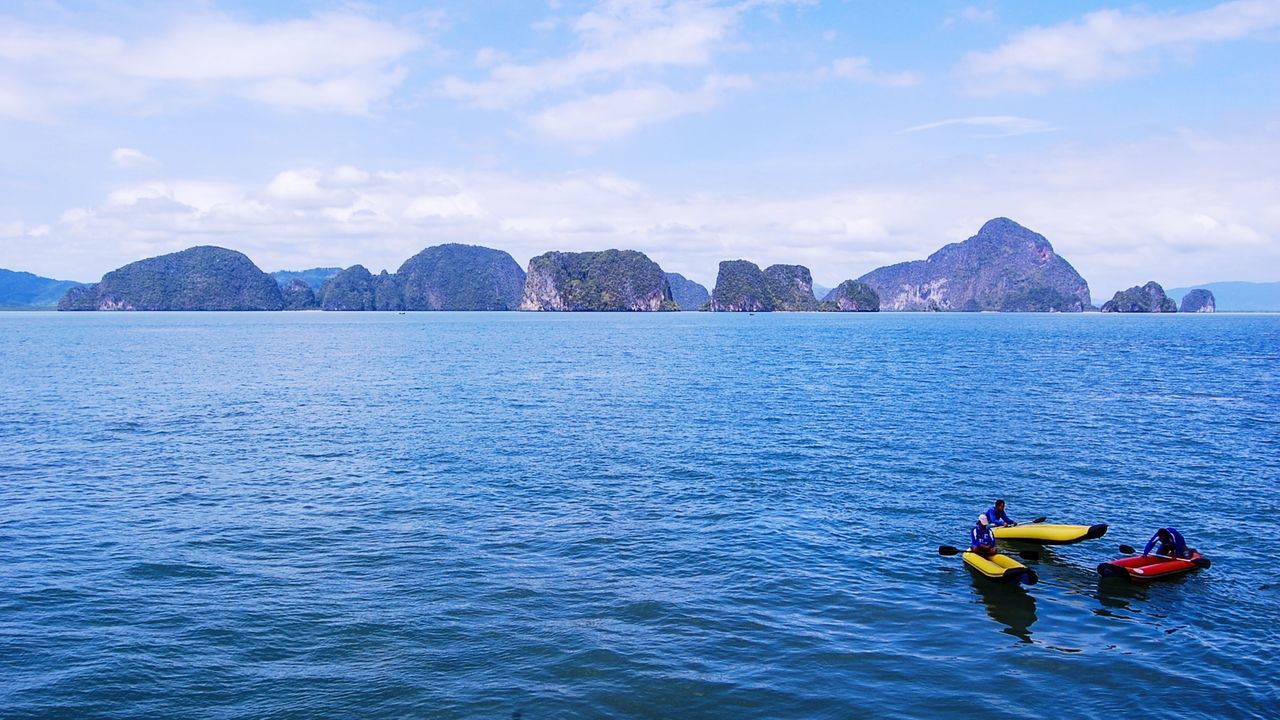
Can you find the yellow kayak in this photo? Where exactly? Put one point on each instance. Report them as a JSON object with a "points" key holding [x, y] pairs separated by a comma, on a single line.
{"points": [[1000, 568], [1044, 534]]}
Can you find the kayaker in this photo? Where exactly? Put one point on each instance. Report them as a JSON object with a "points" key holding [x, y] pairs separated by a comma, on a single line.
{"points": [[1167, 542], [981, 540], [997, 516]]}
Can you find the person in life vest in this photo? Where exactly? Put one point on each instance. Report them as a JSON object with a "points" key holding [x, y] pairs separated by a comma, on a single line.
{"points": [[1168, 542], [981, 540], [998, 517]]}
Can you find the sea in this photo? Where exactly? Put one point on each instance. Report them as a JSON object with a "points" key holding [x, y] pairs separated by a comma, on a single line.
{"points": [[677, 515]]}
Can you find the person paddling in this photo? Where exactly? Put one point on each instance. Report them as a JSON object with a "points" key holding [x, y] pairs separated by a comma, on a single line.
{"points": [[981, 540], [1168, 542], [998, 517]]}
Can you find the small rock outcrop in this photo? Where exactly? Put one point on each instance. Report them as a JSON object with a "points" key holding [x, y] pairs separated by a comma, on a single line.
{"points": [[1149, 298], [198, 278], [852, 296], [351, 289], [1198, 301], [688, 294], [298, 295], [461, 277], [741, 287], [1004, 267], [607, 281], [791, 287]]}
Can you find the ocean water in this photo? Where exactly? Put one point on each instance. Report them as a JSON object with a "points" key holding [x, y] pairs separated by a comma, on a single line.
{"points": [[329, 515]]}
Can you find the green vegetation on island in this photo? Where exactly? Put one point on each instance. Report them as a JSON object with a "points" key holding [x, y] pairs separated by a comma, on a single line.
{"points": [[1149, 298], [461, 277], [741, 287], [852, 296], [199, 278], [610, 280]]}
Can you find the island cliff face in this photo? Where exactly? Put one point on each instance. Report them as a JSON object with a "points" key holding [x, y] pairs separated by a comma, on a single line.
{"points": [[298, 295], [1149, 298], [852, 296], [1198, 301], [1004, 267], [688, 294], [199, 278], [612, 280], [791, 287], [741, 287], [461, 277]]}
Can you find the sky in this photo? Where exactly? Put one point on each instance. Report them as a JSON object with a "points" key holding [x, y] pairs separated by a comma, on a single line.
{"points": [[1142, 140]]}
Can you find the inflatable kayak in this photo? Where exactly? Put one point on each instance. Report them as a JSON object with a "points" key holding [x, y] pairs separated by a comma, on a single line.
{"points": [[1145, 568], [1050, 534], [1000, 568]]}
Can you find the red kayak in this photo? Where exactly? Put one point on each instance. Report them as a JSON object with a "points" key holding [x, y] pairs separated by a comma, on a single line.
{"points": [[1145, 568]]}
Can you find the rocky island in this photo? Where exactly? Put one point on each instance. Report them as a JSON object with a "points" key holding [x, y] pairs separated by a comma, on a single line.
{"points": [[741, 287], [852, 296], [199, 278], [461, 277], [791, 287], [610, 280], [1149, 298], [1004, 267], [1198, 301]]}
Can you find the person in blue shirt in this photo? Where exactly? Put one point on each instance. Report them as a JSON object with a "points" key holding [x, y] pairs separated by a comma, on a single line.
{"points": [[981, 540], [998, 517], [1168, 542]]}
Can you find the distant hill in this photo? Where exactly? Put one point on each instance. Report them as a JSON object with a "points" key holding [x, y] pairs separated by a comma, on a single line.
{"points": [[24, 290], [314, 278], [688, 294], [1238, 296]]}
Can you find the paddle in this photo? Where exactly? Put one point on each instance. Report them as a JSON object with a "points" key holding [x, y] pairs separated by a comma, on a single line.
{"points": [[950, 550]]}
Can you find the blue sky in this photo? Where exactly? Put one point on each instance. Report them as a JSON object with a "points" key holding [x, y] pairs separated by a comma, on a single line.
{"points": [[1142, 140]]}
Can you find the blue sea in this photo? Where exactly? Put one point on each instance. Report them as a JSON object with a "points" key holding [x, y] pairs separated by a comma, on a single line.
{"points": [[686, 515]]}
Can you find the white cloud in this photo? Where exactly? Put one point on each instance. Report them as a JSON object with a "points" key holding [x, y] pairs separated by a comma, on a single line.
{"points": [[859, 69], [998, 124], [130, 158], [338, 62], [614, 115], [615, 79], [613, 38], [970, 14], [1108, 44], [1181, 209]]}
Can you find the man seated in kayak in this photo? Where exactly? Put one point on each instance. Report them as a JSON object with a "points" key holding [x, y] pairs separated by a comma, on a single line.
{"points": [[981, 540], [1168, 542], [997, 516]]}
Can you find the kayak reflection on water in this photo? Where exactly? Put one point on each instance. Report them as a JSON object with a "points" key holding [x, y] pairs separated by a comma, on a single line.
{"points": [[1009, 605]]}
